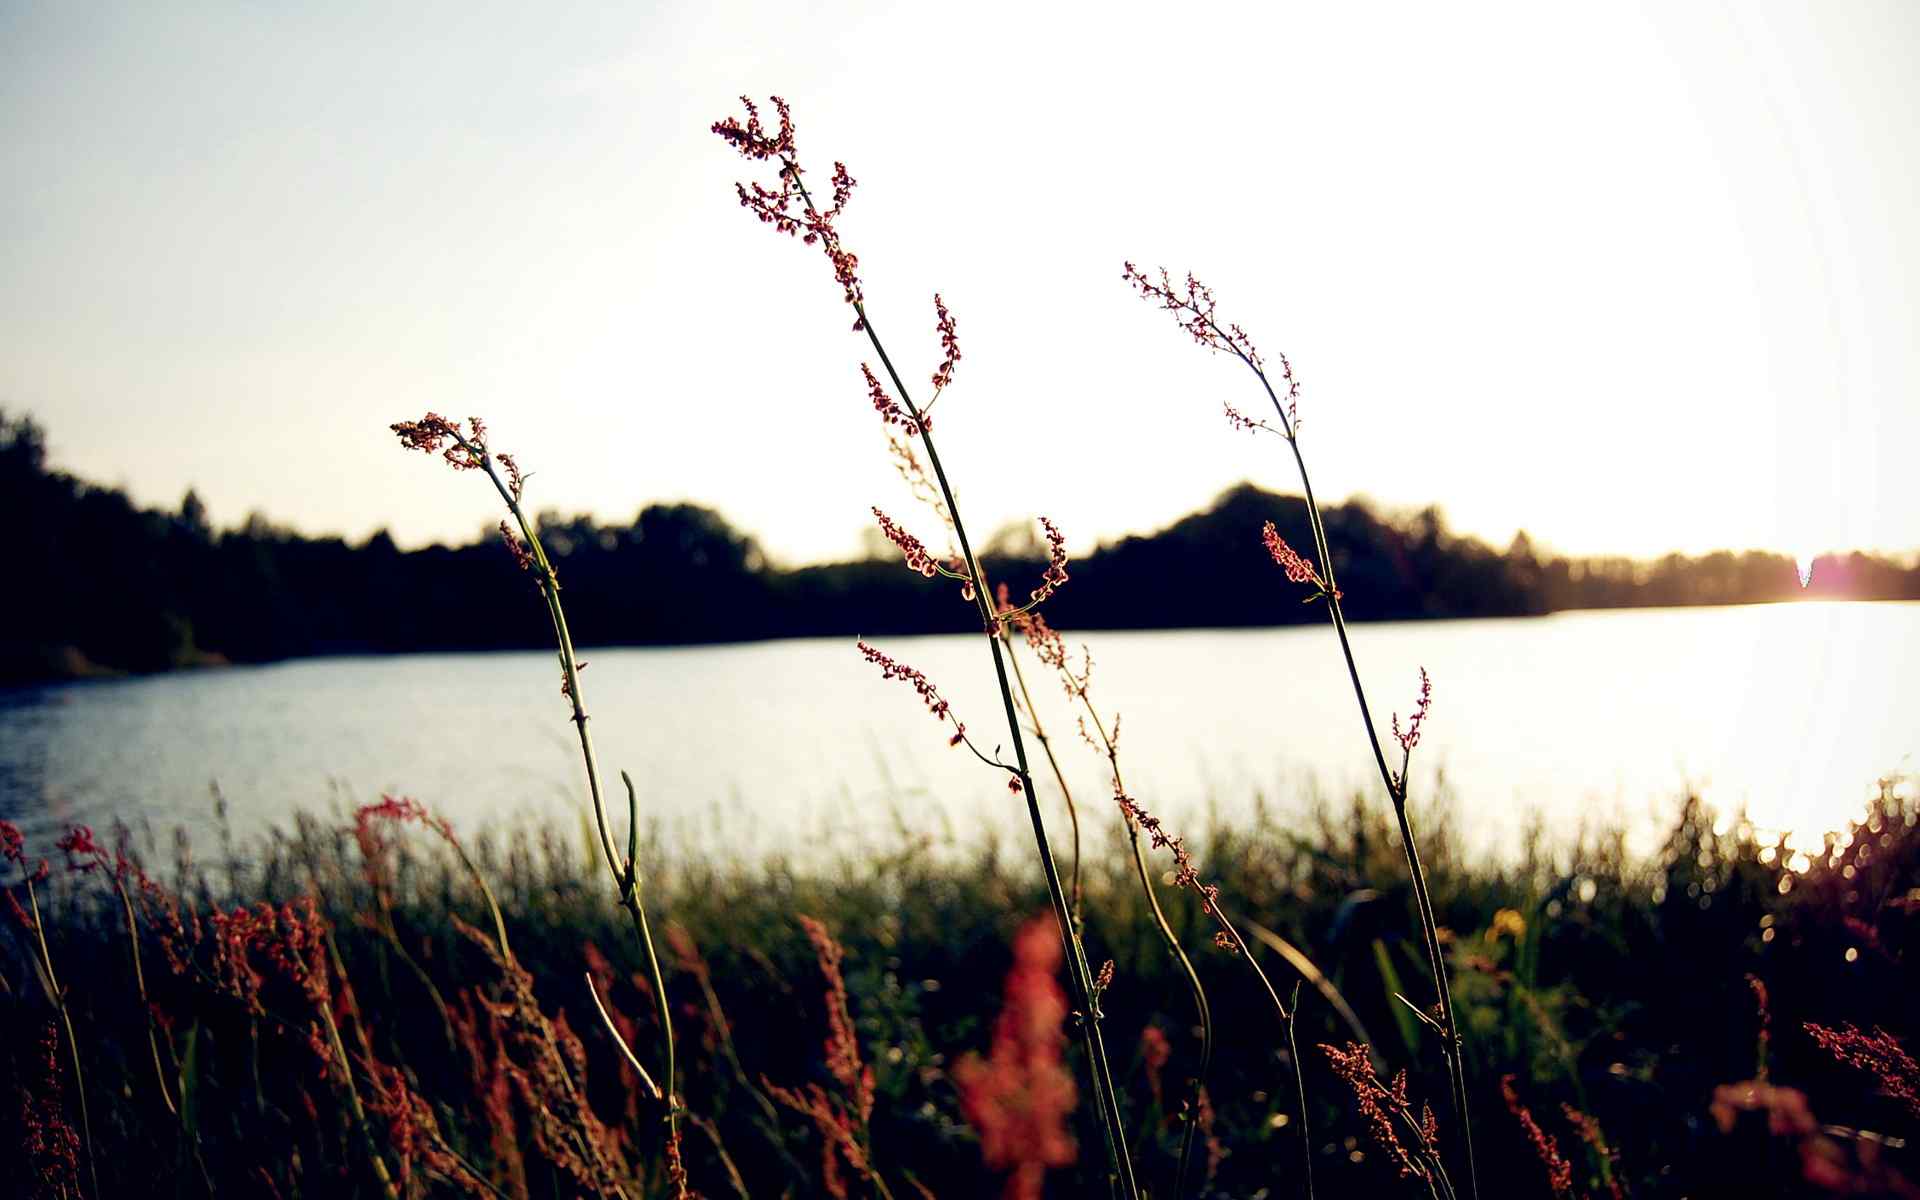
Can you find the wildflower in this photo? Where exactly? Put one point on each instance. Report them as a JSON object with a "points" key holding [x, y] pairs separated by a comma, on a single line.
{"points": [[949, 345], [13, 847], [889, 409], [1298, 568], [1879, 1055], [842, 1048], [47, 1137], [918, 560], [890, 669], [1590, 1132], [778, 208], [1192, 310], [464, 451], [1411, 737], [1019, 1096], [1056, 573], [1380, 1104], [522, 557], [1545, 1148], [83, 853], [1185, 874]]}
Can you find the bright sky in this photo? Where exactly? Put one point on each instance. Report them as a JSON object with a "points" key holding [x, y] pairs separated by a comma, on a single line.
{"points": [[1637, 280]]}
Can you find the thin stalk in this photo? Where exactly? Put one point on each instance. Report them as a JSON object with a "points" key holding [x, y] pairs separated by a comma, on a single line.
{"points": [[1205, 1011], [630, 898], [1053, 763], [1396, 788], [359, 1111], [66, 1020], [626, 875], [1080, 975], [140, 982]]}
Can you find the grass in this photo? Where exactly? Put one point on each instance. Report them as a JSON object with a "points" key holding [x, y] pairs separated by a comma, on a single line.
{"points": [[1616, 987]]}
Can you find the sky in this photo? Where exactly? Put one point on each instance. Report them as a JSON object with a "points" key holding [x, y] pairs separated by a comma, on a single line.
{"points": [[1636, 279]]}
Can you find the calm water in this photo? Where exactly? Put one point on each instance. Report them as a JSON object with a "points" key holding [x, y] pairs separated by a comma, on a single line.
{"points": [[1790, 710]]}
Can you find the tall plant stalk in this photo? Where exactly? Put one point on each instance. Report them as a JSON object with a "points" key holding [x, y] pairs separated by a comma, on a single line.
{"points": [[1194, 310], [813, 224], [66, 1022], [1202, 1011], [469, 451]]}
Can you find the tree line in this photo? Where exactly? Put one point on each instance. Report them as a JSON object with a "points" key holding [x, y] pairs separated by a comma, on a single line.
{"points": [[100, 585]]}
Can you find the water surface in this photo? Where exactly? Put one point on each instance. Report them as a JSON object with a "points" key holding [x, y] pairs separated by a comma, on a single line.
{"points": [[1788, 711]]}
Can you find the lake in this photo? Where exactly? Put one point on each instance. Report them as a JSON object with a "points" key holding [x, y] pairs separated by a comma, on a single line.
{"points": [[1790, 712]]}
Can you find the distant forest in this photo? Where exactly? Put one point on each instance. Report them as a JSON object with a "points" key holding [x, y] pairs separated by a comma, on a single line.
{"points": [[101, 586]]}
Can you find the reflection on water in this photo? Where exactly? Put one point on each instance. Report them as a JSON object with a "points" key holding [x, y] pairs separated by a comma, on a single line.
{"points": [[1790, 710]]}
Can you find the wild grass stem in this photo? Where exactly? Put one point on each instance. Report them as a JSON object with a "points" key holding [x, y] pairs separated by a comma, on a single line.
{"points": [[1195, 313]]}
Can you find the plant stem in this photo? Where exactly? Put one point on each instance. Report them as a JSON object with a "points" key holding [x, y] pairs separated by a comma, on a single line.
{"points": [[1396, 788], [66, 1020], [1201, 1007], [1118, 1157], [626, 874]]}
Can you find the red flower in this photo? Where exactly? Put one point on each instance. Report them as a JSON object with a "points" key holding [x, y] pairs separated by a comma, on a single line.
{"points": [[1019, 1097]]}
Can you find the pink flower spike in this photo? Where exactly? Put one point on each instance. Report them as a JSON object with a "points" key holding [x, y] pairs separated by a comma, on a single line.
{"points": [[1056, 573], [1298, 568], [1411, 737], [891, 669], [949, 344]]}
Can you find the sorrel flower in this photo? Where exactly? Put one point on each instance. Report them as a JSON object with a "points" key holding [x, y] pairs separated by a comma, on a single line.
{"points": [[434, 434], [889, 409], [1192, 310], [50, 1144], [1411, 737], [1299, 569], [1545, 1147], [1056, 573], [1877, 1054], [83, 853], [1379, 1105], [949, 346], [1019, 1096], [842, 1047], [890, 669], [1590, 1132], [779, 209], [841, 1120], [918, 560], [1185, 874]]}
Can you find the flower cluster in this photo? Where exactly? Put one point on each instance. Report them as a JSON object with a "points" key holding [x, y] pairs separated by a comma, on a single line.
{"points": [[890, 669], [1019, 1096], [842, 1048], [912, 547], [1545, 1148], [949, 345], [889, 409], [1192, 309], [1299, 568], [777, 206], [1185, 874], [1379, 1104], [434, 434], [1877, 1054], [842, 1120], [1411, 737], [1056, 573], [50, 1146]]}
